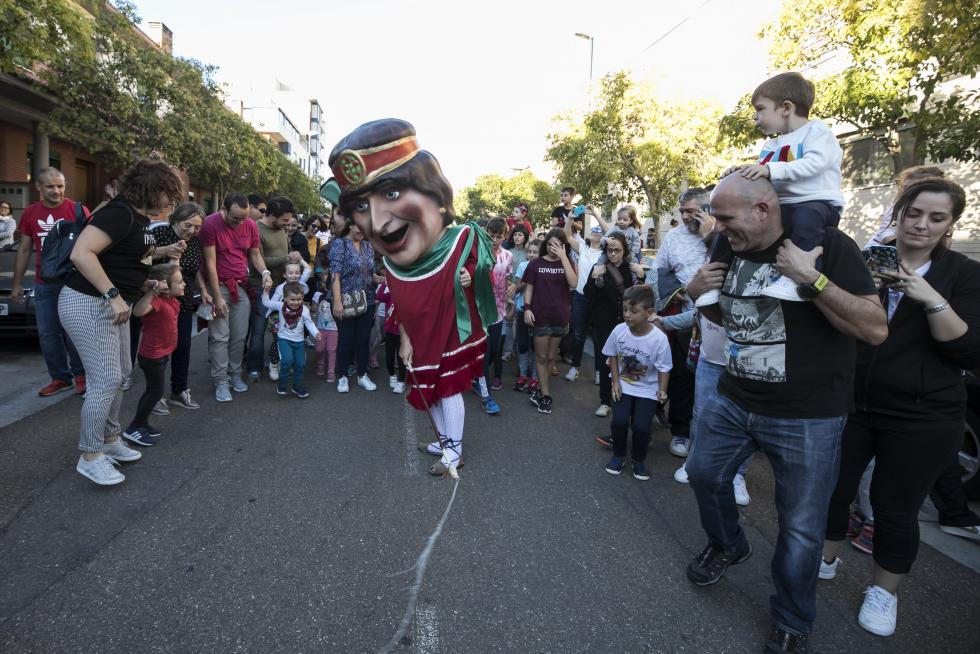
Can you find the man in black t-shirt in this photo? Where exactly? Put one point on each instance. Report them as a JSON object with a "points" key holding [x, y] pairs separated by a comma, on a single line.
{"points": [[787, 390], [562, 212]]}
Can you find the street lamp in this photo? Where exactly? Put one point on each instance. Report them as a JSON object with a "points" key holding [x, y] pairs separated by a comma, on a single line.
{"points": [[591, 41]]}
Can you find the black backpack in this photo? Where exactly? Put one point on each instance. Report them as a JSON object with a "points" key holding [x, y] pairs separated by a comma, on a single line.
{"points": [[56, 263]]}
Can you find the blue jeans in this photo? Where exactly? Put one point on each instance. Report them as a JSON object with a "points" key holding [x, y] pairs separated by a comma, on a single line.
{"points": [[60, 355], [255, 355], [705, 385], [805, 458], [292, 356], [580, 326]]}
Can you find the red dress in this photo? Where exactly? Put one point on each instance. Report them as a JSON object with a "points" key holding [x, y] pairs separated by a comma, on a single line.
{"points": [[426, 306]]}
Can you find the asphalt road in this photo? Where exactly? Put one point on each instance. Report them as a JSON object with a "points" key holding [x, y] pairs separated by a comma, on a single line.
{"points": [[281, 525]]}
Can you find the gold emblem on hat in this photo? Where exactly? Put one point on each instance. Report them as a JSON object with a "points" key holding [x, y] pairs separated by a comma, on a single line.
{"points": [[351, 164]]}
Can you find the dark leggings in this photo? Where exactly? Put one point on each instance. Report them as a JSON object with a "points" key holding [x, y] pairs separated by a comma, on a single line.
{"points": [[155, 372], [495, 350], [354, 341], [949, 497], [180, 360], [392, 358], [635, 412], [910, 455], [681, 406], [600, 334]]}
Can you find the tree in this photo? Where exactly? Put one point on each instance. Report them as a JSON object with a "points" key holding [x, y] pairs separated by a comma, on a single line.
{"points": [[494, 194], [636, 147], [900, 60], [35, 34]]}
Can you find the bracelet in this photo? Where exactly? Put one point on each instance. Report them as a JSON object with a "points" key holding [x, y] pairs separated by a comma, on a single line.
{"points": [[938, 308], [265, 272]]}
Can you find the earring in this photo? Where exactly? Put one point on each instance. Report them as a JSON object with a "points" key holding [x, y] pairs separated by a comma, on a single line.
{"points": [[442, 210]]}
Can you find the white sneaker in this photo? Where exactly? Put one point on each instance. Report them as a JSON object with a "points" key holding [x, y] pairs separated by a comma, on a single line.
{"points": [[973, 533], [365, 382], [602, 411], [274, 371], [879, 612], [101, 470], [708, 298], [741, 492], [392, 380], [828, 570], [680, 475], [399, 387], [161, 408], [120, 453], [342, 385], [783, 288], [572, 374], [127, 383], [238, 384], [679, 446], [222, 393]]}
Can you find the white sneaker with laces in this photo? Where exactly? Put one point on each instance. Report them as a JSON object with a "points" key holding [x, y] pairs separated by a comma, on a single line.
{"points": [[101, 470], [119, 452], [602, 411], [392, 380], [679, 446], [708, 298], [238, 384], [828, 570], [742, 497], [184, 399], [879, 612], [274, 371], [680, 475], [343, 386], [783, 288], [161, 408], [399, 387], [572, 374], [365, 382], [973, 532]]}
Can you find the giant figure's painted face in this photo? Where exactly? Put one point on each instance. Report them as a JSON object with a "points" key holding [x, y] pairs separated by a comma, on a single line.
{"points": [[403, 224]]}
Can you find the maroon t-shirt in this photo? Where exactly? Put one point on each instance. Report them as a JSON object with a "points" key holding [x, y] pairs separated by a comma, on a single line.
{"points": [[37, 220], [550, 299]]}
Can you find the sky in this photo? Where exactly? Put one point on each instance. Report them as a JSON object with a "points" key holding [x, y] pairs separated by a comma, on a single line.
{"points": [[481, 81]]}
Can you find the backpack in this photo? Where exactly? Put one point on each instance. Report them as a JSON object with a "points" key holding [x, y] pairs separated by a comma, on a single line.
{"points": [[56, 263]]}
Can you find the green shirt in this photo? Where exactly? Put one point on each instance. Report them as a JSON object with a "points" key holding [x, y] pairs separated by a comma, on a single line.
{"points": [[274, 246]]}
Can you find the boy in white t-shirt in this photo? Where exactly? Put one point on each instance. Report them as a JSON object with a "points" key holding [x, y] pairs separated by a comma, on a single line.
{"points": [[802, 162], [640, 363]]}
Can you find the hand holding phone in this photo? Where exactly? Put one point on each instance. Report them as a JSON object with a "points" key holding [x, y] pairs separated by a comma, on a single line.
{"points": [[883, 258]]}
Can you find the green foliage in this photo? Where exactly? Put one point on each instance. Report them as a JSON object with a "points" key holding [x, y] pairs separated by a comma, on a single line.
{"points": [[635, 147], [494, 194], [898, 56], [120, 97], [37, 33]]}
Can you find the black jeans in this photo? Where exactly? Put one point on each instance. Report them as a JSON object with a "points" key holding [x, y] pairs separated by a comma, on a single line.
{"points": [[600, 334], [135, 330], [636, 413], [681, 405], [495, 351], [155, 371], [180, 360], [950, 499], [910, 455], [392, 358], [354, 342]]}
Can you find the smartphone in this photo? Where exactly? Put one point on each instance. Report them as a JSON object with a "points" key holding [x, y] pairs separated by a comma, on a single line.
{"points": [[579, 210], [883, 258]]}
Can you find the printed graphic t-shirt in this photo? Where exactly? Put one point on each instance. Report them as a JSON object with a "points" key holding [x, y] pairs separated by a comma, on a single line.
{"points": [[785, 359], [641, 358], [37, 220], [550, 301]]}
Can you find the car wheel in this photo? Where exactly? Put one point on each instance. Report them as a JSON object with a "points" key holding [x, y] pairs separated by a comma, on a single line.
{"points": [[968, 456]]}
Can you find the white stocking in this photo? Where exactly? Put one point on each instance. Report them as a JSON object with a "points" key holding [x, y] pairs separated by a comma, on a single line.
{"points": [[453, 415]]}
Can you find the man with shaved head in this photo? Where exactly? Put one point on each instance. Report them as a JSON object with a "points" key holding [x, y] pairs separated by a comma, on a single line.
{"points": [[786, 390]]}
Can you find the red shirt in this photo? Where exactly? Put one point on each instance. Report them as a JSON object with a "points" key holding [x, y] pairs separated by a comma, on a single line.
{"points": [[231, 246], [37, 220], [512, 221], [160, 328]]}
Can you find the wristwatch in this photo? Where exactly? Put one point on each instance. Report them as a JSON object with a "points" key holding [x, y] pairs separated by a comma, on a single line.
{"points": [[111, 294], [814, 288]]}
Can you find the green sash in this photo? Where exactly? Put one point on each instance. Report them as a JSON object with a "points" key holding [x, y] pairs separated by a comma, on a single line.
{"points": [[486, 304]]}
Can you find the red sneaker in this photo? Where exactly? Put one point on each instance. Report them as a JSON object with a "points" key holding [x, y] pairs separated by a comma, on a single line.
{"points": [[864, 542], [56, 386], [79, 384]]}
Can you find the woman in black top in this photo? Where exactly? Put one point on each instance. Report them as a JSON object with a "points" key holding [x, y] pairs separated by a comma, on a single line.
{"points": [[909, 392], [112, 257], [177, 241], [604, 292]]}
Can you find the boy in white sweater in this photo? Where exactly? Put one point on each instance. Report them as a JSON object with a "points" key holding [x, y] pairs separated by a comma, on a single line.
{"points": [[294, 316], [803, 163]]}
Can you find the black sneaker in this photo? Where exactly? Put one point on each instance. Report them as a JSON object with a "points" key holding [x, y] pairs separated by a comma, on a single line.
{"points": [[709, 566], [535, 397], [544, 404], [781, 640], [139, 436], [300, 392]]}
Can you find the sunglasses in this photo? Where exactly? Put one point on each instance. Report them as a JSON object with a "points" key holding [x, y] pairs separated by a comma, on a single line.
{"points": [[262, 211]]}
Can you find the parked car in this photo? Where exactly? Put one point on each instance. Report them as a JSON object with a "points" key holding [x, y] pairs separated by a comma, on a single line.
{"points": [[16, 318]]}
